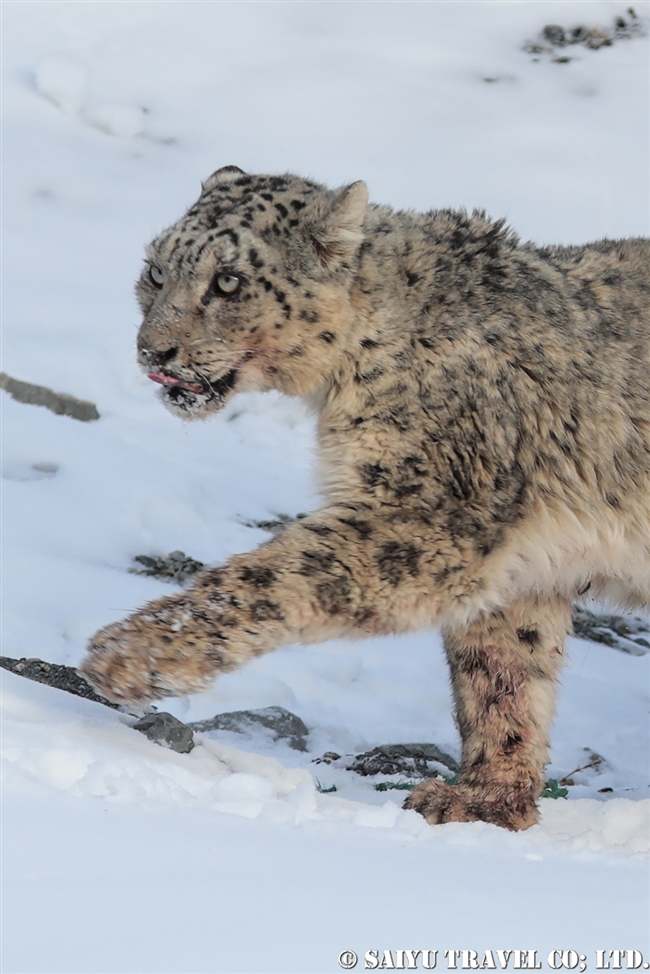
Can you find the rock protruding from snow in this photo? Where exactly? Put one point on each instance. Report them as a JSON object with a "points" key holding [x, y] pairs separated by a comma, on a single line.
{"points": [[282, 723], [275, 525], [168, 731], [54, 675], [57, 402], [414, 760], [174, 567], [553, 38], [627, 633]]}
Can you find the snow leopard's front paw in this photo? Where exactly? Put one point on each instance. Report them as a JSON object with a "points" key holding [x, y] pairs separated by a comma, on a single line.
{"points": [[439, 802], [171, 647]]}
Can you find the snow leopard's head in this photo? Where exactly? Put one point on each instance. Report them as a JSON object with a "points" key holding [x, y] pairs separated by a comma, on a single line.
{"points": [[250, 290]]}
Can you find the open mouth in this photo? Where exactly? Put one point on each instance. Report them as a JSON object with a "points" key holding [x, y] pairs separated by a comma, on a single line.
{"points": [[188, 395]]}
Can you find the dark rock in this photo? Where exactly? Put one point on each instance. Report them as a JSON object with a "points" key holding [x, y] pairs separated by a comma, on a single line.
{"points": [[168, 731], [554, 35], [578, 35], [414, 760], [282, 723], [54, 675], [629, 634], [275, 526], [597, 39], [328, 758], [57, 402], [174, 567]]}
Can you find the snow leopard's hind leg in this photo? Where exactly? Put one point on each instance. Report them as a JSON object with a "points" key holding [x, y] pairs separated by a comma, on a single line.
{"points": [[504, 671]]}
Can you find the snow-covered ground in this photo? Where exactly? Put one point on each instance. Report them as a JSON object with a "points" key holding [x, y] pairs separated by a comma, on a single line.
{"points": [[118, 855]]}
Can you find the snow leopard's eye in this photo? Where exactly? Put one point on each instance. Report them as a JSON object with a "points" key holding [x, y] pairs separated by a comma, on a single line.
{"points": [[226, 283], [156, 276]]}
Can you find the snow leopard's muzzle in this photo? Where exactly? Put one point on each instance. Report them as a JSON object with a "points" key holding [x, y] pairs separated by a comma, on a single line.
{"points": [[187, 391]]}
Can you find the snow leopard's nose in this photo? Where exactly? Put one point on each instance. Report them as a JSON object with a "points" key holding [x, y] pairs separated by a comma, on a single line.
{"points": [[157, 357]]}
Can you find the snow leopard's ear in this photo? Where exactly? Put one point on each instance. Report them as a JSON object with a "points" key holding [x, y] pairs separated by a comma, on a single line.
{"points": [[339, 233], [224, 175]]}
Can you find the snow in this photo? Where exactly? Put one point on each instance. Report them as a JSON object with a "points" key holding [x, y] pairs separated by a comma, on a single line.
{"points": [[89, 751], [119, 855]]}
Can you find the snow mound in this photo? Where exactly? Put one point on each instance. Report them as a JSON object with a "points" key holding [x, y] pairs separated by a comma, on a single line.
{"points": [[82, 750], [76, 746], [62, 81], [618, 825], [121, 120]]}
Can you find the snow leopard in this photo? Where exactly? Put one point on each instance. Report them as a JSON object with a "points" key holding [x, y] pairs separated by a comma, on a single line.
{"points": [[483, 445]]}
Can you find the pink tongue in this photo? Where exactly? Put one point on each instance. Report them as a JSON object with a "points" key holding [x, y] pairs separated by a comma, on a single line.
{"points": [[168, 380], [165, 380]]}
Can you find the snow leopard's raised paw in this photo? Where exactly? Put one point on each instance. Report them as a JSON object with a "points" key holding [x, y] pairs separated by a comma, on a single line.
{"points": [[170, 648]]}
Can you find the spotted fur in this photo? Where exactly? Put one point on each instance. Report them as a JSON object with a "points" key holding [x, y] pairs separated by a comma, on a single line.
{"points": [[484, 445]]}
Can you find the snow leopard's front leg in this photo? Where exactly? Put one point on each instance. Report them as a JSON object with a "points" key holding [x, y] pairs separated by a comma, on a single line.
{"points": [[504, 670], [327, 575]]}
